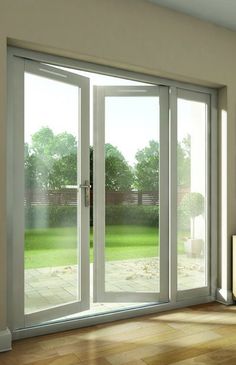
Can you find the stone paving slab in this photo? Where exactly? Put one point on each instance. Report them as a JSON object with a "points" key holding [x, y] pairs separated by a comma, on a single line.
{"points": [[47, 287]]}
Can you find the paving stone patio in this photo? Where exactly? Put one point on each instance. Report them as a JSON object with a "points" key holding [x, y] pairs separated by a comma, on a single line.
{"points": [[49, 287]]}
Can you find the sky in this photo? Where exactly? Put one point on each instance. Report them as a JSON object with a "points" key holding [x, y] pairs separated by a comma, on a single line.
{"points": [[131, 122]]}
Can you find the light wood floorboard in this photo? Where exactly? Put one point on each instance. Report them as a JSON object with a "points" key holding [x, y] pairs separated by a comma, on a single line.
{"points": [[202, 334]]}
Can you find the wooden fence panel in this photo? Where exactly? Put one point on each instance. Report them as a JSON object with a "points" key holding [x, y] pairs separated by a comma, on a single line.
{"points": [[69, 197]]}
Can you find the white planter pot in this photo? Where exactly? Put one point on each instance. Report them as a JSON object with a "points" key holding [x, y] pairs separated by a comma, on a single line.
{"points": [[193, 247]]}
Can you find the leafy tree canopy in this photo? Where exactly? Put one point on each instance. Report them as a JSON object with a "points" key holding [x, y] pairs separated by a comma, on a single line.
{"points": [[118, 174], [50, 161], [63, 172], [147, 168], [48, 146], [184, 161]]}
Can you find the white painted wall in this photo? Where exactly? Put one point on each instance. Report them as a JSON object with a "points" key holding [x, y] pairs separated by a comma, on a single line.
{"points": [[134, 35]]}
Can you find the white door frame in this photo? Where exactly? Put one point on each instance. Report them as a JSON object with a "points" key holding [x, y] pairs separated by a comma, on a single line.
{"points": [[18, 68], [18, 330], [100, 93], [175, 93]]}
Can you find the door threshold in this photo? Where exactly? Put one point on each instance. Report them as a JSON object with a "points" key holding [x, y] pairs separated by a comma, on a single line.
{"points": [[92, 320]]}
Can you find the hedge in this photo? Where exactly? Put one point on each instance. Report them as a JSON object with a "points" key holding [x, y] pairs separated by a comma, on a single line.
{"points": [[66, 216], [132, 214], [43, 216]]}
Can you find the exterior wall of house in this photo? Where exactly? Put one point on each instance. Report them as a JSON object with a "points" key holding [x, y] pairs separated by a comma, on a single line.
{"points": [[134, 35]]}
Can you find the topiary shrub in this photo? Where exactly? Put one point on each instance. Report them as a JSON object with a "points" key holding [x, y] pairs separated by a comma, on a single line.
{"points": [[191, 206]]}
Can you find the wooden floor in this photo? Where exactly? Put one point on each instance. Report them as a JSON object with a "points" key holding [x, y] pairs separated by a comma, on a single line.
{"points": [[203, 334]]}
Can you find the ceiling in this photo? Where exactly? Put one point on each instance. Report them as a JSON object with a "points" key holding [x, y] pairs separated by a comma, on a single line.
{"points": [[220, 12]]}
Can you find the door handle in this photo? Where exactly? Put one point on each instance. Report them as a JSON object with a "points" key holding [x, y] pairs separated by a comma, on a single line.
{"points": [[86, 187]]}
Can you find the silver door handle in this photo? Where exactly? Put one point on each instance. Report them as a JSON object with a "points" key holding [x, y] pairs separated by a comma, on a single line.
{"points": [[86, 187]]}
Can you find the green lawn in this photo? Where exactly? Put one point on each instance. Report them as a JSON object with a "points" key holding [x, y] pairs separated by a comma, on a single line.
{"points": [[56, 246]]}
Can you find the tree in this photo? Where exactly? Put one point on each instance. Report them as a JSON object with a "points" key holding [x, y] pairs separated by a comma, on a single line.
{"points": [[147, 168], [51, 160], [118, 174], [49, 146], [36, 172], [51, 163], [64, 144], [192, 205], [147, 165], [184, 161], [42, 142], [64, 168], [63, 172]]}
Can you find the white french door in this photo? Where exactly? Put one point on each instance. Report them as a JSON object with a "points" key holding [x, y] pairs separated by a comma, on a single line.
{"points": [[49, 105], [152, 196], [134, 119]]}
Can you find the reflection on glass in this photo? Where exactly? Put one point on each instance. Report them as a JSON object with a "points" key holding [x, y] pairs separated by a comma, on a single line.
{"points": [[132, 194], [192, 194], [51, 247]]}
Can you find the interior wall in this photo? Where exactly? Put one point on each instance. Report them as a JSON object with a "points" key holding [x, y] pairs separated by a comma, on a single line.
{"points": [[131, 34], [128, 33]]}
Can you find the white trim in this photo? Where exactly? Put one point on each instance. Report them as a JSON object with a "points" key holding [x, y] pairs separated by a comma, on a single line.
{"points": [[108, 70], [173, 193], [99, 194], [84, 167], [16, 190], [100, 293], [136, 91], [224, 296], [164, 194], [210, 194], [193, 293], [17, 69], [5, 340], [214, 204], [192, 95], [106, 318], [54, 327], [45, 71], [225, 259]]}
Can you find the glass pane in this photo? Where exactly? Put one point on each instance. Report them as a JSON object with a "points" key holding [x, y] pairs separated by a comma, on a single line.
{"points": [[192, 194], [132, 194], [51, 206]]}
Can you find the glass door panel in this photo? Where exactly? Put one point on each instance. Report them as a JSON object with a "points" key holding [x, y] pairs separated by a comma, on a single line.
{"points": [[127, 232], [192, 190], [132, 194], [55, 239], [52, 247]]}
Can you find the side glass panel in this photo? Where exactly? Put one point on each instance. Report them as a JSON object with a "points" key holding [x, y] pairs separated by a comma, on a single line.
{"points": [[52, 247], [132, 194], [192, 193]]}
